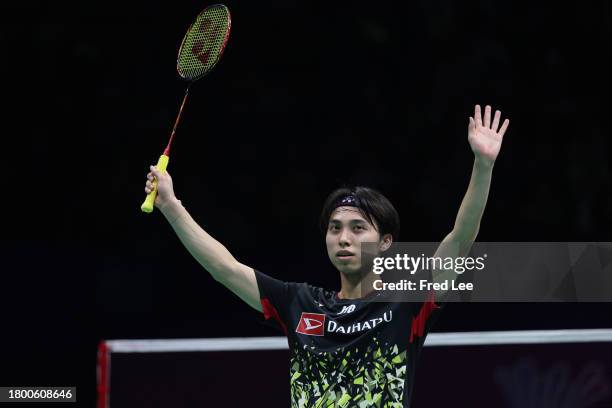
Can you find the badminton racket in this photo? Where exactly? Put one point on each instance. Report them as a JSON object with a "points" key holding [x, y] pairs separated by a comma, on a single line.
{"points": [[200, 50]]}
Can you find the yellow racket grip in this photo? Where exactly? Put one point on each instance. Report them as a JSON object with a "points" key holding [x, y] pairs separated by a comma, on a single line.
{"points": [[149, 202]]}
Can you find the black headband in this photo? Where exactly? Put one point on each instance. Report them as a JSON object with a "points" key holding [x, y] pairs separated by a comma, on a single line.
{"points": [[347, 201]]}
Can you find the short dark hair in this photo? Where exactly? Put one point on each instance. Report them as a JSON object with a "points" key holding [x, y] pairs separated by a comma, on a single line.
{"points": [[372, 205]]}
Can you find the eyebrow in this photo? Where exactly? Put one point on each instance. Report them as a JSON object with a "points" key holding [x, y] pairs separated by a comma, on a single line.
{"points": [[352, 221]]}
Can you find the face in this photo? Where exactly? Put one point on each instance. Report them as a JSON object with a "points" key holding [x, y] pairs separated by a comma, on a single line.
{"points": [[346, 230]]}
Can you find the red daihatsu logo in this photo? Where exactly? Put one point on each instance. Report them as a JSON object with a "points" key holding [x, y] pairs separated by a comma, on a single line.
{"points": [[312, 324]]}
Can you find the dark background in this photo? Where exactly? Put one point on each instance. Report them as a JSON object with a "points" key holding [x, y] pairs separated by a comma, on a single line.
{"points": [[307, 97]]}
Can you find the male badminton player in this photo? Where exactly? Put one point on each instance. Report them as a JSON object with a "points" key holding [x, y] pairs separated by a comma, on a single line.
{"points": [[346, 351]]}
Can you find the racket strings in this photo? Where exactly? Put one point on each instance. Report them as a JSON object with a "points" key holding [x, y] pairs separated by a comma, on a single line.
{"points": [[204, 43]]}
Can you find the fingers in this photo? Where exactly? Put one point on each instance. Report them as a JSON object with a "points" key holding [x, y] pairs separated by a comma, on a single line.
{"points": [[159, 174], [151, 176], [504, 127], [495, 124], [154, 171], [477, 115], [148, 187], [487, 119]]}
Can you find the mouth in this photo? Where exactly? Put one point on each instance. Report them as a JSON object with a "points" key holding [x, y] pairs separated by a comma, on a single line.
{"points": [[344, 255]]}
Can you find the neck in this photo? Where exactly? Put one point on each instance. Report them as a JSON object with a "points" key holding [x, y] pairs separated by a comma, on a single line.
{"points": [[351, 285]]}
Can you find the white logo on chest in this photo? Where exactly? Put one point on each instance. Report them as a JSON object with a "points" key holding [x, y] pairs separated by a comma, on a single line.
{"points": [[333, 327], [347, 309], [312, 323]]}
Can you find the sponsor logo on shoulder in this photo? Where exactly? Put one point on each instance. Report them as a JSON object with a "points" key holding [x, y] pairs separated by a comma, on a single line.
{"points": [[311, 324]]}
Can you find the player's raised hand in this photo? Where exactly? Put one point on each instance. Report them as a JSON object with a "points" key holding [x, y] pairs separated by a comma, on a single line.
{"points": [[484, 136], [163, 183]]}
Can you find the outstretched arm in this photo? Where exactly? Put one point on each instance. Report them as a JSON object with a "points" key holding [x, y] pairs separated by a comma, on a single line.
{"points": [[210, 253], [485, 140]]}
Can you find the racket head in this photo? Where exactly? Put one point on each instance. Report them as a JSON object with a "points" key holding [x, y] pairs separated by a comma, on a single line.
{"points": [[204, 42]]}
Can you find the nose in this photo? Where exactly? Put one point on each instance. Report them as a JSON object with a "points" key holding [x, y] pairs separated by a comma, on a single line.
{"points": [[344, 238]]}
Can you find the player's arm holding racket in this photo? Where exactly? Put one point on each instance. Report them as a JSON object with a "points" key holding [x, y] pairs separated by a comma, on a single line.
{"points": [[210, 253], [200, 50], [485, 139]]}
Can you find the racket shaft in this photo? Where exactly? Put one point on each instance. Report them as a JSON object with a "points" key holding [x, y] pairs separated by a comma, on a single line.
{"points": [[149, 202]]}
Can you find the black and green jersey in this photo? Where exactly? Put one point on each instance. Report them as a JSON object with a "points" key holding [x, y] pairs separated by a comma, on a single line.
{"points": [[347, 352]]}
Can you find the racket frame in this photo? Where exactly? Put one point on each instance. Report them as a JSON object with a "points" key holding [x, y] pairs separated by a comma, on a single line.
{"points": [[221, 50]]}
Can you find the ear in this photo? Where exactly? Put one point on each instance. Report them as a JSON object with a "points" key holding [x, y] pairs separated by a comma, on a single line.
{"points": [[385, 242]]}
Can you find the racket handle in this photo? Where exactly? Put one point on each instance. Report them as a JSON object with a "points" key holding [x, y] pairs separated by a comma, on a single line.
{"points": [[149, 202]]}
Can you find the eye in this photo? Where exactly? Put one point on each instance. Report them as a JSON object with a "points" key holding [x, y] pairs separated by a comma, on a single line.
{"points": [[359, 227]]}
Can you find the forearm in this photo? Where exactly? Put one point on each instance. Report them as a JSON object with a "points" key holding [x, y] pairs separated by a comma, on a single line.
{"points": [[210, 253], [459, 241], [474, 202]]}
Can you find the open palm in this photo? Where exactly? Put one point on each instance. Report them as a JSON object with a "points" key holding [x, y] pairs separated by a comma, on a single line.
{"points": [[483, 136]]}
